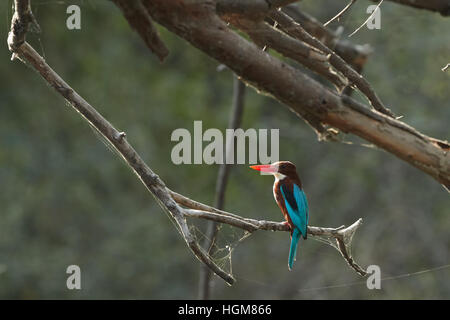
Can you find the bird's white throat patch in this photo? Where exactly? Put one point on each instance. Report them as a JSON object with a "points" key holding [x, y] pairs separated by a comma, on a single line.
{"points": [[279, 176]]}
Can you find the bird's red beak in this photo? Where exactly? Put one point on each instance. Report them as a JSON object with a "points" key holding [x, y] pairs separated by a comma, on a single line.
{"points": [[265, 168]]}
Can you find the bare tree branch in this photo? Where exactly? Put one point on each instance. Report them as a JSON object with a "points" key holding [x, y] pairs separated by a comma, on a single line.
{"points": [[236, 13], [197, 22], [200, 210], [21, 21], [263, 34], [294, 29], [117, 139], [354, 54], [168, 200], [140, 20], [340, 234]]}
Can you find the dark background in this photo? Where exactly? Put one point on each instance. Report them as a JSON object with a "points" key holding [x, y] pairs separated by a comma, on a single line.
{"points": [[67, 199]]}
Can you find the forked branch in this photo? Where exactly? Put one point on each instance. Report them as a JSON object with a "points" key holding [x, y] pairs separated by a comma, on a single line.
{"points": [[342, 235], [168, 200], [21, 22], [197, 22]]}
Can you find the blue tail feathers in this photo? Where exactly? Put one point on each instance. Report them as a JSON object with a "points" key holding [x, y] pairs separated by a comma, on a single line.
{"points": [[293, 249]]}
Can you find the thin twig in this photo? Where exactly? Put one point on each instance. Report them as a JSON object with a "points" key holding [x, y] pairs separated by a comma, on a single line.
{"points": [[340, 14], [263, 35], [117, 139], [354, 54], [367, 20], [295, 30]]}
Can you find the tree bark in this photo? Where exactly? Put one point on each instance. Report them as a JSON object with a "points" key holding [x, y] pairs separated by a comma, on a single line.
{"points": [[197, 22]]}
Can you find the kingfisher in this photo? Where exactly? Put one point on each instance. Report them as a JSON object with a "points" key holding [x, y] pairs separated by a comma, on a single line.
{"points": [[290, 197]]}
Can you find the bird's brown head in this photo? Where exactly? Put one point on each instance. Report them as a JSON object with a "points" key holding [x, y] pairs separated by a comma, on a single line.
{"points": [[279, 169]]}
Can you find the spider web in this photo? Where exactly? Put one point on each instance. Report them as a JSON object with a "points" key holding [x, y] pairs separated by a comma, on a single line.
{"points": [[222, 248], [347, 239]]}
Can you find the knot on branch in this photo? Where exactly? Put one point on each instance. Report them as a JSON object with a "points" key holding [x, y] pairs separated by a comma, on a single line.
{"points": [[22, 22], [119, 136]]}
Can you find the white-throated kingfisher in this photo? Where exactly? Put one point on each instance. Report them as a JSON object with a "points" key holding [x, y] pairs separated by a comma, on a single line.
{"points": [[289, 195]]}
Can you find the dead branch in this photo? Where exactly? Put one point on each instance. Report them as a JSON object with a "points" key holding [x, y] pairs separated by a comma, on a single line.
{"points": [[198, 23], [140, 20], [168, 200], [263, 35], [21, 21], [297, 31], [252, 225], [354, 54], [117, 139]]}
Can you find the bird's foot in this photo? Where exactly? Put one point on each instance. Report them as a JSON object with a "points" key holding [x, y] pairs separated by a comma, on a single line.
{"points": [[287, 224]]}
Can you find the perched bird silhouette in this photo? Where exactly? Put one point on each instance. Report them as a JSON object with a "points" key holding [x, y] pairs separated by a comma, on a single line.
{"points": [[288, 193]]}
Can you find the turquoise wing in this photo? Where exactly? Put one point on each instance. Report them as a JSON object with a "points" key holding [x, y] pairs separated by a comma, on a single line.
{"points": [[297, 207]]}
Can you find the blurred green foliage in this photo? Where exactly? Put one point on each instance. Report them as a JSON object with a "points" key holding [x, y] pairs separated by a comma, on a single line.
{"points": [[66, 199]]}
